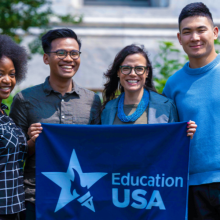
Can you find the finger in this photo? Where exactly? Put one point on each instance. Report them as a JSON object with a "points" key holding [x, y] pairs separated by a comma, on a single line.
{"points": [[31, 129], [192, 126], [191, 130], [34, 137], [190, 122], [36, 125], [34, 132], [190, 135]]}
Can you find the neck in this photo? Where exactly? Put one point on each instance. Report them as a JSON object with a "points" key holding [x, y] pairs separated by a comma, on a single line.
{"points": [[133, 97], [200, 62], [0, 106], [61, 85]]}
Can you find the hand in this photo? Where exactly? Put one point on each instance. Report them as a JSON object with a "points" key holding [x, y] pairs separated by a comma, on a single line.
{"points": [[191, 125], [33, 132]]}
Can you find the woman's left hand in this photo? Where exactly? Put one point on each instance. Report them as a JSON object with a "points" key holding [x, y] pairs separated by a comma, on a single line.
{"points": [[191, 125]]}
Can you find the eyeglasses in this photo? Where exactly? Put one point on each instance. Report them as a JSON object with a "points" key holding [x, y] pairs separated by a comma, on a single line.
{"points": [[139, 70], [61, 54]]}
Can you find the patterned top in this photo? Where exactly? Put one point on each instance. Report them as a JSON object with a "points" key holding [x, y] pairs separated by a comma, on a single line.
{"points": [[13, 148]]}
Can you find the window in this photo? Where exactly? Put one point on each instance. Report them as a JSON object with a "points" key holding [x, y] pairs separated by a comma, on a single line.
{"points": [[118, 2]]}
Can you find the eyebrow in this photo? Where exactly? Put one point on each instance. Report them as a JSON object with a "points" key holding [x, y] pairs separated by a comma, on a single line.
{"points": [[188, 29]]}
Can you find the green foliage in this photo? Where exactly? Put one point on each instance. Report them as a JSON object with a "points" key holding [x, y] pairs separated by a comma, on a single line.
{"points": [[167, 62], [71, 19], [25, 14], [217, 43], [8, 102], [22, 14]]}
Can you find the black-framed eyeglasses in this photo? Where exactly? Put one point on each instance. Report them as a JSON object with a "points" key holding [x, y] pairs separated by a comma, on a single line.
{"points": [[61, 54], [139, 70]]}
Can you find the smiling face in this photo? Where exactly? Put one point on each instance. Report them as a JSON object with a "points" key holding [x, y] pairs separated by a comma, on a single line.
{"points": [[133, 83], [197, 35], [7, 77], [62, 68]]}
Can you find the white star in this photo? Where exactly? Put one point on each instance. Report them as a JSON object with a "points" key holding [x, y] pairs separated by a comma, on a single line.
{"points": [[63, 180]]}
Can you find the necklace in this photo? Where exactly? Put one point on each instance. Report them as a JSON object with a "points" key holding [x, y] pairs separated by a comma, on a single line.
{"points": [[139, 111]]}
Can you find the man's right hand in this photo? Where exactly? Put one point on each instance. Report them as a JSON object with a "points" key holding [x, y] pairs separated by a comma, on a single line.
{"points": [[33, 132]]}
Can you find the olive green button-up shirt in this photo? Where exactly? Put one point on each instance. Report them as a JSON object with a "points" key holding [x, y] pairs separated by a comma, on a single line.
{"points": [[42, 104]]}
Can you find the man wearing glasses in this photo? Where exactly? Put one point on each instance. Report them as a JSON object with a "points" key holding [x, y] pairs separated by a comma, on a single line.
{"points": [[58, 100]]}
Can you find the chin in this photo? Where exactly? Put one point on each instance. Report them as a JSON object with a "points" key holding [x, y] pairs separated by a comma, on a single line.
{"points": [[133, 90]]}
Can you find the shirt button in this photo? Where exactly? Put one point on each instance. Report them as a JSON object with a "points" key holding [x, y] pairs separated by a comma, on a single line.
{"points": [[9, 123], [62, 100], [63, 116]]}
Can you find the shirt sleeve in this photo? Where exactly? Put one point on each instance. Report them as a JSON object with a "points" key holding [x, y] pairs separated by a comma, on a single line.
{"points": [[18, 113], [96, 108]]}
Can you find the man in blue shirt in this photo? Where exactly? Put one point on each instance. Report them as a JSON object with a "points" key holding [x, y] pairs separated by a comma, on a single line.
{"points": [[195, 90]]}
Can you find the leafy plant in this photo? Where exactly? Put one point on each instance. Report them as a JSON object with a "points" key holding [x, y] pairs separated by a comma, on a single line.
{"points": [[8, 102], [167, 62], [22, 14], [17, 16]]}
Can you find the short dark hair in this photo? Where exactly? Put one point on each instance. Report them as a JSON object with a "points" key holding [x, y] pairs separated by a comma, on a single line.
{"points": [[55, 34], [195, 9], [111, 86], [17, 54]]}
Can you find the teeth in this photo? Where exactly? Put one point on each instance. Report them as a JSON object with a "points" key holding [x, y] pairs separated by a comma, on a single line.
{"points": [[67, 67], [132, 81], [5, 88]]}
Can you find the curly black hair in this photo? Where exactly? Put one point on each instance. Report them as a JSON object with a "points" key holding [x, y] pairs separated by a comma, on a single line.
{"points": [[111, 86], [18, 55]]}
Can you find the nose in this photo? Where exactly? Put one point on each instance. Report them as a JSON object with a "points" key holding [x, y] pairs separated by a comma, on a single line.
{"points": [[6, 79], [195, 36], [68, 58], [132, 72]]}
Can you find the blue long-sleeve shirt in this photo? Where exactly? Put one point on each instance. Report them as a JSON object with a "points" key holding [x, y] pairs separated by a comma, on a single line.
{"points": [[196, 93]]}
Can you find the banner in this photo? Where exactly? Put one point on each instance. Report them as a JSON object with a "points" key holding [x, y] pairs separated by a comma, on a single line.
{"points": [[95, 172]]}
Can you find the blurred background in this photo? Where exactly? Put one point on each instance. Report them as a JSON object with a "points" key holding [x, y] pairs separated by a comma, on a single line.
{"points": [[104, 27]]}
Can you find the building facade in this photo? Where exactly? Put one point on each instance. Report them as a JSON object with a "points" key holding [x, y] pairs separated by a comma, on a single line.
{"points": [[110, 25]]}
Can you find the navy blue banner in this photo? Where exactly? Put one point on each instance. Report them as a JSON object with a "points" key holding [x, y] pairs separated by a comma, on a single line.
{"points": [[112, 172]]}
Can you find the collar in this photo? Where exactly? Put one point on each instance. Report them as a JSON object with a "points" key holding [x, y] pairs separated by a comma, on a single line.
{"points": [[48, 89], [203, 69], [3, 107]]}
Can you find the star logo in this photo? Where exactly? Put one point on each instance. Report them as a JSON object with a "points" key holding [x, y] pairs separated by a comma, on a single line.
{"points": [[74, 184]]}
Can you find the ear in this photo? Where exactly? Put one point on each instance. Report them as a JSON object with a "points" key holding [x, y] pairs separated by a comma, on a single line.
{"points": [[146, 74], [179, 38], [45, 58], [215, 32]]}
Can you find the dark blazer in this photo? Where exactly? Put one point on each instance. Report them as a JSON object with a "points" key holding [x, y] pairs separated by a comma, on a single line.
{"points": [[161, 110]]}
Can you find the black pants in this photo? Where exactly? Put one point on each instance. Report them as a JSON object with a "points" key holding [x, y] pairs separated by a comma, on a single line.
{"points": [[29, 213], [204, 202], [9, 217]]}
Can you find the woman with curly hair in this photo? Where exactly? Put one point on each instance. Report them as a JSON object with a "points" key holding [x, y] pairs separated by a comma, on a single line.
{"points": [[13, 145], [131, 74]]}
